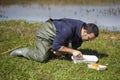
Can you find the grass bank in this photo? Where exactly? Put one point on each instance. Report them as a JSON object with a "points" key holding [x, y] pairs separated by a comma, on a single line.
{"points": [[21, 33], [60, 2]]}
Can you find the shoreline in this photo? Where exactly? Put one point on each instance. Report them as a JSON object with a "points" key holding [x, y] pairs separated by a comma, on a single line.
{"points": [[59, 2]]}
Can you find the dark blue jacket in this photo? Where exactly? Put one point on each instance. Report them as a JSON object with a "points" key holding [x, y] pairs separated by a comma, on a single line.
{"points": [[67, 30]]}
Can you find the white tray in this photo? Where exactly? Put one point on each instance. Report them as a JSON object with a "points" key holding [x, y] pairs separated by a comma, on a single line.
{"points": [[86, 58], [100, 67]]}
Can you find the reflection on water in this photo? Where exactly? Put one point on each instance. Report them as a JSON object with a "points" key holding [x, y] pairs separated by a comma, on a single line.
{"points": [[107, 17]]}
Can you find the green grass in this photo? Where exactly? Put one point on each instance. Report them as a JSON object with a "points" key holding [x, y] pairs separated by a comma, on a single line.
{"points": [[21, 33]]}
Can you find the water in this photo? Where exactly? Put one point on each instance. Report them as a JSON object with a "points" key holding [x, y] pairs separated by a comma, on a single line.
{"points": [[107, 17]]}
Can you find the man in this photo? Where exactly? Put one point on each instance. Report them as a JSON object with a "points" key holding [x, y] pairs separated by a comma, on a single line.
{"points": [[55, 36]]}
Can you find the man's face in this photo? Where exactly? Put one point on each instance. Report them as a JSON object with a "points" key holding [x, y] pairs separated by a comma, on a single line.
{"points": [[88, 37]]}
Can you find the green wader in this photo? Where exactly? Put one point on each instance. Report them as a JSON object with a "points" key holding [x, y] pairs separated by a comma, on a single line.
{"points": [[44, 36]]}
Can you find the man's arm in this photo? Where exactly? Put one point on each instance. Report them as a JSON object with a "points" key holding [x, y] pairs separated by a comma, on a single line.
{"points": [[64, 49]]}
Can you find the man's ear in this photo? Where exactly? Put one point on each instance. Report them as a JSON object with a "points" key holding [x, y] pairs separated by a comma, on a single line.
{"points": [[85, 31]]}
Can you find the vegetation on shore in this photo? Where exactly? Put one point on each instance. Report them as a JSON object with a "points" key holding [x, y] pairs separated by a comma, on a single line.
{"points": [[21, 33], [61, 2]]}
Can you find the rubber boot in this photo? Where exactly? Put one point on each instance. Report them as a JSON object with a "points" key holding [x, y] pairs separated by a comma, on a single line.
{"points": [[20, 52]]}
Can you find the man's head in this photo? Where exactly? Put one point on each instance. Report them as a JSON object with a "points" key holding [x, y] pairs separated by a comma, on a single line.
{"points": [[89, 32]]}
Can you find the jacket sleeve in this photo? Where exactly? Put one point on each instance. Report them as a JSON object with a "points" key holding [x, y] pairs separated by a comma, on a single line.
{"points": [[76, 44], [62, 38]]}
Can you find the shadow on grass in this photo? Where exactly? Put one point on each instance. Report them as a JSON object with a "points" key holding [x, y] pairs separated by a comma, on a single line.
{"points": [[94, 52]]}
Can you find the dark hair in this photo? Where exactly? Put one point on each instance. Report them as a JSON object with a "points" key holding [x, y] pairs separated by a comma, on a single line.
{"points": [[92, 28]]}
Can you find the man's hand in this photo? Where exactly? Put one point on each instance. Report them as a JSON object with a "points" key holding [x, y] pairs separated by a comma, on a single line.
{"points": [[77, 54]]}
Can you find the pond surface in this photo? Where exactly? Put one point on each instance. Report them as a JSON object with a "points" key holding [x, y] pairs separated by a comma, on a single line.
{"points": [[107, 17]]}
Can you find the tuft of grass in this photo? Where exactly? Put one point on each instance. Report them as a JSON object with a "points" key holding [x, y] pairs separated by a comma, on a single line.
{"points": [[17, 33], [21, 33]]}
